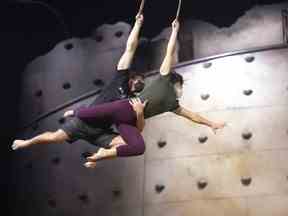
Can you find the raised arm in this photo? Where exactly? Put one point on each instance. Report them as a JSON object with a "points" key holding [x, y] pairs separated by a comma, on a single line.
{"points": [[199, 119], [132, 43], [166, 66]]}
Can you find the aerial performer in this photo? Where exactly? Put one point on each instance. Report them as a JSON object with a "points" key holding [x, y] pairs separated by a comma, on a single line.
{"points": [[162, 95]]}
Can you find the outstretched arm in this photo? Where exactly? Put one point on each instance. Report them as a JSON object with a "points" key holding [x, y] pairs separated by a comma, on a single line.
{"points": [[132, 43], [199, 119], [166, 66]]}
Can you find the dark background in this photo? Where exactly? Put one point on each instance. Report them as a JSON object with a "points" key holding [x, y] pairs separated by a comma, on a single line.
{"points": [[30, 29]]}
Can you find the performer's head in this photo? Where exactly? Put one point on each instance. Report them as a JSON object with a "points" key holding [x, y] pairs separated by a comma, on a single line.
{"points": [[177, 80], [136, 82]]}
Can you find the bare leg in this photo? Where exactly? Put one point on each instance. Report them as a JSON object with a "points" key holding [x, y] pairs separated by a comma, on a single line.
{"points": [[58, 136], [105, 153]]}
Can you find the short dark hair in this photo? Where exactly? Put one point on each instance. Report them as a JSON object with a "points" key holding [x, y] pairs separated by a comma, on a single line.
{"points": [[176, 78], [134, 75]]}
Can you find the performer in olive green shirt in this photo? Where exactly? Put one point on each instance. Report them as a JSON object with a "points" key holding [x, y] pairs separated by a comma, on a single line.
{"points": [[160, 96]]}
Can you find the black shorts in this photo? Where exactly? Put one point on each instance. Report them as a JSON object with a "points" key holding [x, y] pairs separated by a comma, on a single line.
{"points": [[77, 129]]}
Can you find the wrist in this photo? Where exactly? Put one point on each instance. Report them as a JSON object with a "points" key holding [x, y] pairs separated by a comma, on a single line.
{"points": [[210, 124], [139, 113], [175, 31], [138, 23]]}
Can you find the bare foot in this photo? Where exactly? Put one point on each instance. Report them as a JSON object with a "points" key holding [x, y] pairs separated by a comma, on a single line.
{"points": [[18, 144], [92, 159], [100, 155], [90, 164], [97, 156], [68, 113]]}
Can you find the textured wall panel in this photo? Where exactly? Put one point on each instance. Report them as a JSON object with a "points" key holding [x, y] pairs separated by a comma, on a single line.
{"points": [[227, 175], [180, 178], [165, 140], [217, 207], [266, 178], [270, 205], [222, 85]]}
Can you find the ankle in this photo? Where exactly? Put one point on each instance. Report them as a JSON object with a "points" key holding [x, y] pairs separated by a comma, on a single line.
{"points": [[27, 142], [108, 153]]}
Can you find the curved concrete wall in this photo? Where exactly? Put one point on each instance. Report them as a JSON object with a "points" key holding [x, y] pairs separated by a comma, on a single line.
{"points": [[186, 170]]}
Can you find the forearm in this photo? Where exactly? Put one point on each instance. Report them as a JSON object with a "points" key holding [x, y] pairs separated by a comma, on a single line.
{"points": [[193, 116], [131, 46], [133, 38], [140, 122], [170, 53], [171, 47], [200, 120]]}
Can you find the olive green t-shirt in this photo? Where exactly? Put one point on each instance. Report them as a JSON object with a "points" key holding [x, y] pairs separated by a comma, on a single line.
{"points": [[161, 96]]}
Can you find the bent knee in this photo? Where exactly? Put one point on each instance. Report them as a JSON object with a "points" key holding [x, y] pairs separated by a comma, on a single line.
{"points": [[141, 148]]}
